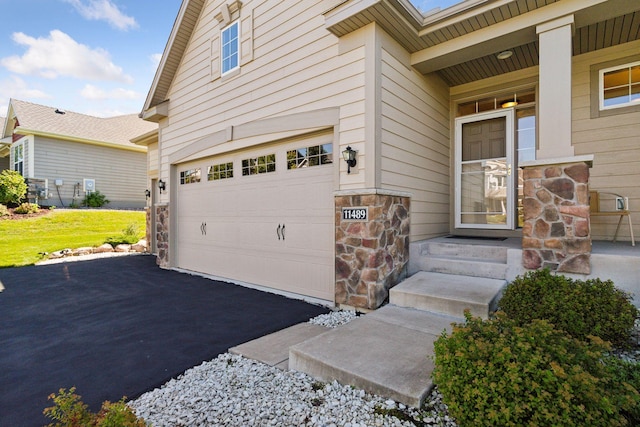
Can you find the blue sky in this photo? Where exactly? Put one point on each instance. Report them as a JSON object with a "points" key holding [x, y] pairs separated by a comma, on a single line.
{"points": [[95, 57]]}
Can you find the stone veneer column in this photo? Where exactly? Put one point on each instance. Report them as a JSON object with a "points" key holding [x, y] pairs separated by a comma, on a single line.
{"points": [[162, 235], [556, 232], [147, 234], [371, 256]]}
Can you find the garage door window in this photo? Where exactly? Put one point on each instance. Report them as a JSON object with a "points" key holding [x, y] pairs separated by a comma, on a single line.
{"points": [[221, 171], [310, 156], [258, 165], [190, 176]]}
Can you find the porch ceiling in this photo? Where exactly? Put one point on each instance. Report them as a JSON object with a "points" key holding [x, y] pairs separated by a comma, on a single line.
{"points": [[600, 35], [460, 43]]}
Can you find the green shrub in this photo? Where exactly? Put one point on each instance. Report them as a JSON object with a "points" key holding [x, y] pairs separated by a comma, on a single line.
{"points": [[580, 308], [129, 236], [27, 208], [70, 411], [4, 211], [629, 372], [497, 373], [12, 187], [95, 199]]}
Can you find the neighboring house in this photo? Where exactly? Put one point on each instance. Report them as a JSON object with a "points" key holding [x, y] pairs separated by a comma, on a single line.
{"points": [[5, 144], [490, 118], [65, 154]]}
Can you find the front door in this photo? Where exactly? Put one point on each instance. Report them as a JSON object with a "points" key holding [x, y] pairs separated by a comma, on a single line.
{"points": [[484, 147]]}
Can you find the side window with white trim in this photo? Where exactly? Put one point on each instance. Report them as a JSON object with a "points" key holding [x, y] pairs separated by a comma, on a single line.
{"points": [[18, 158]]}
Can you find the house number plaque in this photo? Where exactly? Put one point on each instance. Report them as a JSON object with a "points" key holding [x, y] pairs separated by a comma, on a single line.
{"points": [[355, 214]]}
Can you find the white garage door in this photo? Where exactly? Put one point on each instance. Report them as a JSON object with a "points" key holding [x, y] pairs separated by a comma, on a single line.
{"points": [[262, 216]]}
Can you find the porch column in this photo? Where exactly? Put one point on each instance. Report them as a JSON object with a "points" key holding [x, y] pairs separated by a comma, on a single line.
{"points": [[372, 245], [554, 116]]}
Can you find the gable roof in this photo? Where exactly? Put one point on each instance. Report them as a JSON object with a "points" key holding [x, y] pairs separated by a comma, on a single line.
{"points": [[183, 27], [35, 119]]}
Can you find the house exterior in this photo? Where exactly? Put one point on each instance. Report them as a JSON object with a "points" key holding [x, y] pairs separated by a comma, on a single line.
{"points": [[64, 155], [490, 118]]}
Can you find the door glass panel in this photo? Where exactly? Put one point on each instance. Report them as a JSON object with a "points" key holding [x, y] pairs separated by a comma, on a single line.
{"points": [[483, 180]]}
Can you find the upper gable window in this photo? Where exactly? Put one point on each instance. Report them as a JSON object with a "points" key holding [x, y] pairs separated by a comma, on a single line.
{"points": [[230, 47], [619, 86]]}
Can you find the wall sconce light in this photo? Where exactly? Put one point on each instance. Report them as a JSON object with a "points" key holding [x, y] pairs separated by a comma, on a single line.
{"points": [[162, 186], [147, 193], [349, 156]]}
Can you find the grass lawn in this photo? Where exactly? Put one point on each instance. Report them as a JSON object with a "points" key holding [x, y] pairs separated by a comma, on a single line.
{"points": [[22, 240]]}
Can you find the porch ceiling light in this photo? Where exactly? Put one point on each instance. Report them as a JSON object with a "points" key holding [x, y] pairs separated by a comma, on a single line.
{"points": [[509, 104], [504, 55], [349, 156]]}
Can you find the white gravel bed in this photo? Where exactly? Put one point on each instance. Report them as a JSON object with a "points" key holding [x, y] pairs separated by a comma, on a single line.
{"points": [[231, 390]]}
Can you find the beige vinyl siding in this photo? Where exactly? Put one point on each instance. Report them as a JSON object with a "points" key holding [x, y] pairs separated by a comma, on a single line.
{"points": [[614, 141], [296, 68], [120, 174], [153, 161], [415, 140]]}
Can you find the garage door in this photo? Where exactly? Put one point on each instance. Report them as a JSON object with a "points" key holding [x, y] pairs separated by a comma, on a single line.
{"points": [[262, 216]]}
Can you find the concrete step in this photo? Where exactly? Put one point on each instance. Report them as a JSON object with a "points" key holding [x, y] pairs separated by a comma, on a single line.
{"points": [[384, 352], [481, 252], [448, 294], [463, 266]]}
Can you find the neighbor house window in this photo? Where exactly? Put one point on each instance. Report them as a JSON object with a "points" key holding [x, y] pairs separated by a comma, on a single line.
{"points": [[221, 171], [620, 86], [258, 165], [310, 156], [230, 47], [190, 176], [18, 158]]}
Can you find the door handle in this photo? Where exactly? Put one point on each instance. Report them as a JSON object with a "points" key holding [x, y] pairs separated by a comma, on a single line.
{"points": [[509, 170], [282, 231], [278, 231]]}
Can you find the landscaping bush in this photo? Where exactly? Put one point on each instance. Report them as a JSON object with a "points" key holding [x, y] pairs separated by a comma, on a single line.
{"points": [[27, 208], [129, 236], [4, 211], [580, 308], [12, 187], [95, 199], [498, 373], [70, 411]]}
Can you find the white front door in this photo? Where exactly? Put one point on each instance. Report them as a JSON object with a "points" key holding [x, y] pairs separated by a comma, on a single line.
{"points": [[484, 148]]}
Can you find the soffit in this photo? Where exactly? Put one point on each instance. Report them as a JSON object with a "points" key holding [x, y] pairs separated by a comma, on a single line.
{"points": [[416, 35], [599, 35], [599, 24]]}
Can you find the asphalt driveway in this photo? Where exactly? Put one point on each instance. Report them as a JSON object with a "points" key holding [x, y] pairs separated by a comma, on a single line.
{"points": [[119, 327]]}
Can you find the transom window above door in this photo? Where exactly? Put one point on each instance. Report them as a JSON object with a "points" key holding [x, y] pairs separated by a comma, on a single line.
{"points": [[496, 102]]}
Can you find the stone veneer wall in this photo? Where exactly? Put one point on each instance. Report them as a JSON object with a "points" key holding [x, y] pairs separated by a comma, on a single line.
{"points": [[556, 232], [162, 235], [371, 256]]}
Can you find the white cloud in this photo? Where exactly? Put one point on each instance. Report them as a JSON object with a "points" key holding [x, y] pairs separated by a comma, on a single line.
{"points": [[15, 87], [155, 59], [95, 93], [60, 55], [104, 10]]}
